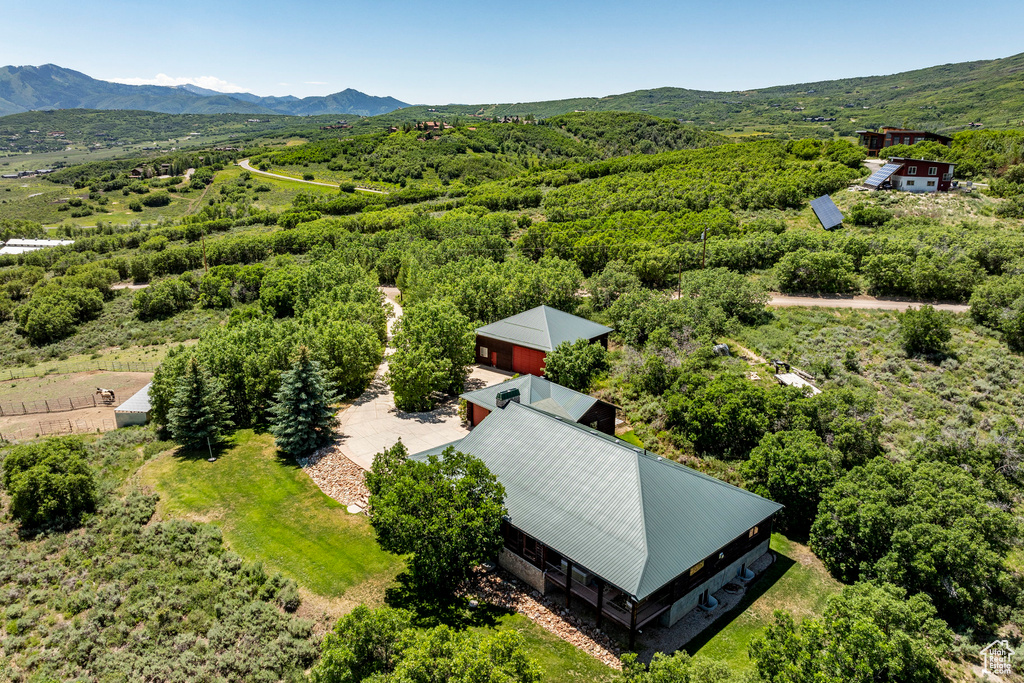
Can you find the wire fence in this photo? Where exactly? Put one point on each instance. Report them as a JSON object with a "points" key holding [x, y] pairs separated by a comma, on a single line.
{"points": [[56, 405], [68, 368], [54, 427]]}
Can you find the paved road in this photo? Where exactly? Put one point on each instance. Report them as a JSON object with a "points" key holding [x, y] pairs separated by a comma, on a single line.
{"points": [[861, 301], [244, 163]]}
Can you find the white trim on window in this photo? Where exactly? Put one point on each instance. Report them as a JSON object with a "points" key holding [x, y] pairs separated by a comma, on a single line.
{"points": [[933, 170], [911, 170]]}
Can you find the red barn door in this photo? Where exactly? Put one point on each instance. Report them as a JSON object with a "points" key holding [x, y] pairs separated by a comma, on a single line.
{"points": [[527, 361]]}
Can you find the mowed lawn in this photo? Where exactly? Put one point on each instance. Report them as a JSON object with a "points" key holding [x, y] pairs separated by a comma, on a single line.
{"points": [[271, 511], [797, 583]]}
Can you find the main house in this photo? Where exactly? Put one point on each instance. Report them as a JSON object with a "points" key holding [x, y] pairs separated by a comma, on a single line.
{"points": [[543, 395], [913, 175], [888, 136], [639, 538], [521, 342]]}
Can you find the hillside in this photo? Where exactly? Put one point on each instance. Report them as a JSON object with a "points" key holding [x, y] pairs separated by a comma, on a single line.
{"points": [[937, 98], [24, 88]]}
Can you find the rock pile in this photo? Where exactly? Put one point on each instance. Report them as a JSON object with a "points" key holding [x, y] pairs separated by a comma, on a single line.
{"points": [[336, 475], [500, 588]]}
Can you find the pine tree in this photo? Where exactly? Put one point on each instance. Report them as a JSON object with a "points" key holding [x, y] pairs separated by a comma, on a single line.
{"points": [[199, 411], [302, 416]]}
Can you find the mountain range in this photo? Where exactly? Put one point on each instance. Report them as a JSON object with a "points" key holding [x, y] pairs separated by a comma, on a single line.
{"points": [[944, 98], [25, 88]]}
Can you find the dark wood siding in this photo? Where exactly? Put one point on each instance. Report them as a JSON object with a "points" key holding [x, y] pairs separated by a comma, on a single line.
{"points": [[601, 417], [499, 353]]}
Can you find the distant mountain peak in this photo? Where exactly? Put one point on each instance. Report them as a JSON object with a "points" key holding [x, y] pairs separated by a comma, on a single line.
{"points": [[25, 88]]}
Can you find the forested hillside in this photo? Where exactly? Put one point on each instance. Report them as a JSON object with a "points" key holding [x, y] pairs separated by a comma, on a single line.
{"points": [[199, 547]]}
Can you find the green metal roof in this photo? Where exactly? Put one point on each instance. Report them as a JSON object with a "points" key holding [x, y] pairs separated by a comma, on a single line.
{"points": [[632, 518], [541, 393], [543, 328]]}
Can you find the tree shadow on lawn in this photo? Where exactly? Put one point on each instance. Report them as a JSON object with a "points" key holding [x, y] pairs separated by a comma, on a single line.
{"points": [[435, 609], [760, 586]]}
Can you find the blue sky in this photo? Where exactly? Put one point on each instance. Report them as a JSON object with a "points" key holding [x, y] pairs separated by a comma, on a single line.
{"points": [[482, 52]]}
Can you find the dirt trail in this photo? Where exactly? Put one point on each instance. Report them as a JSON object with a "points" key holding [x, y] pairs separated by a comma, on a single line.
{"points": [[860, 301], [244, 163]]}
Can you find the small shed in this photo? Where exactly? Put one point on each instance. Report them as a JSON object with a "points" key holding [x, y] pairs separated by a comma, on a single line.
{"points": [[134, 411]]}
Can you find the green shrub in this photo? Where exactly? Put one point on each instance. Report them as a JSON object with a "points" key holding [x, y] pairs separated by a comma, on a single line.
{"points": [[820, 271], [576, 364], [924, 330], [156, 199], [49, 482], [869, 215]]}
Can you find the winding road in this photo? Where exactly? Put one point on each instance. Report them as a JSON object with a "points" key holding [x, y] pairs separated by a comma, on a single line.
{"points": [[861, 301], [244, 163]]}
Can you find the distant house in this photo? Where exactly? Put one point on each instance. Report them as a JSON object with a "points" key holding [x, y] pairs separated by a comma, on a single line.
{"points": [[640, 539], [134, 411], [876, 141], [543, 395], [521, 342], [913, 175]]}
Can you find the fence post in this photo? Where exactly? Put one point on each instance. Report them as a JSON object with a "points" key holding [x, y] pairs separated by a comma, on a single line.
{"points": [[47, 405]]}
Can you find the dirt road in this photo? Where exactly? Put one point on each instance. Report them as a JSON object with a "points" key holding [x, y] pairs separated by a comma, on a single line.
{"points": [[244, 163], [861, 301]]}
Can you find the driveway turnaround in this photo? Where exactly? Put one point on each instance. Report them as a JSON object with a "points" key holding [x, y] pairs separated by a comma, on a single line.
{"points": [[373, 423]]}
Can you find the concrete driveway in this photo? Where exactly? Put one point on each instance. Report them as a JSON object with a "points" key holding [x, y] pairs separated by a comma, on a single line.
{"points": [[373, 424]]}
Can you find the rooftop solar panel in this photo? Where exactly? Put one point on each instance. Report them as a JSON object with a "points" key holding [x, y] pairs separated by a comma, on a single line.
{"points": [[881, 175], [827, 212]]}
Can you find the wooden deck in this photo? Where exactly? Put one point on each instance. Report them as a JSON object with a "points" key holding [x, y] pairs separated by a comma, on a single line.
{"points": [[646, 612]]}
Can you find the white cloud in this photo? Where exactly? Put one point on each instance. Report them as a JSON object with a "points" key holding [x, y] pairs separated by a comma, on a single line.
{"points": [[210, 82]]}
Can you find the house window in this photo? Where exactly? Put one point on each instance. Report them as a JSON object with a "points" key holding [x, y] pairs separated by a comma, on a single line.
{"points": [[696, 568], [933, 170], [753, 532], [911, 170], [931, 183], [947, 176], [483, 352], [917, 140], [910, 183]]}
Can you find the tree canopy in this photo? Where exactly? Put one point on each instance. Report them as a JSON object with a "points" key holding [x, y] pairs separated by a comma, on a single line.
{"points": [[446, 512]]}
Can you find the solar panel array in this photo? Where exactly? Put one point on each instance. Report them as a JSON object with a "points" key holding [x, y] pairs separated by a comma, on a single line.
{"points": [[827, 212], [881, 175]]}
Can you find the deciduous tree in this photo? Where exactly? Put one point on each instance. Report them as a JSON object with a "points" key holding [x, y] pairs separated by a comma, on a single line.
{"points": [[445, 511]]}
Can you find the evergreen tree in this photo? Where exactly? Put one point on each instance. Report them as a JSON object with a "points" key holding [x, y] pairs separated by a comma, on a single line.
{"points": [[302, 416], [199, 410]]}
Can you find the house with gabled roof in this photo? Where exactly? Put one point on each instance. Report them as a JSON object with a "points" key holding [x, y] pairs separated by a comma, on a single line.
{"points": [[639, 538], [543, 395], [520, 343]]}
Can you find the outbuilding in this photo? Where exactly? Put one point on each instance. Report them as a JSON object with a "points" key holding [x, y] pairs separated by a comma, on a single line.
{"points": [[543, 395], [639, 538], [135, 410], [521, 342]]}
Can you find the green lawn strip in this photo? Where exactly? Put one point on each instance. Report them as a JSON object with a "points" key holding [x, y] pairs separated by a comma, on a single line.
{"points": [[631, 438], [559, 660], [271, 511], [797, 583]]}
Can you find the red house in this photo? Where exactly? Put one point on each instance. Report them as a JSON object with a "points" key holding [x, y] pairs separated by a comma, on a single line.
{"points": [[913, 175], [521, 343], [875, 140]]}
